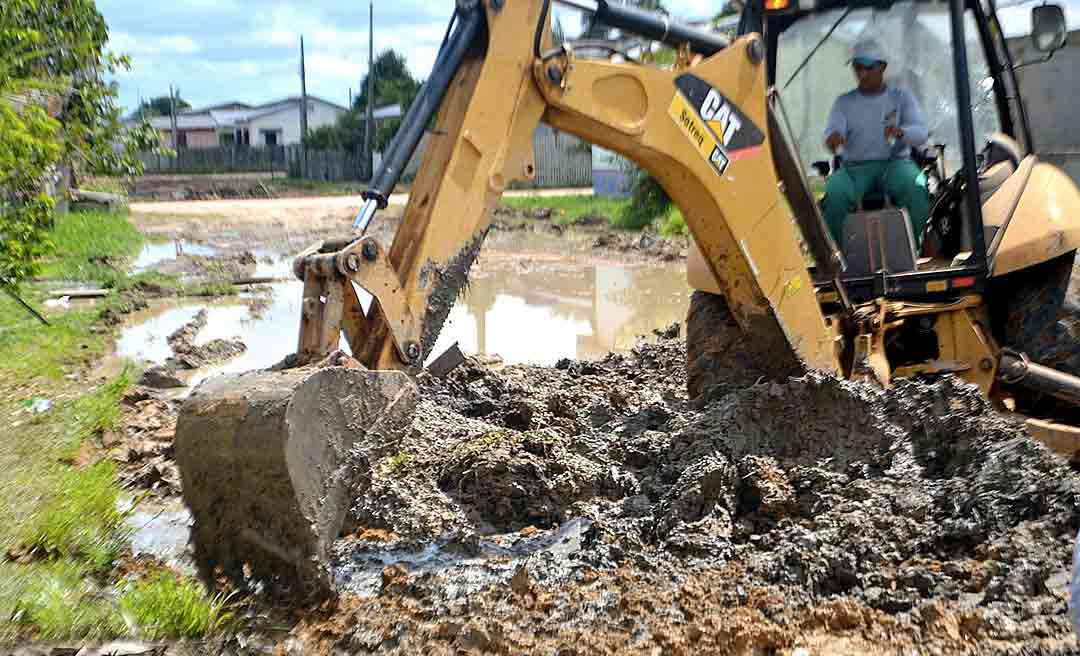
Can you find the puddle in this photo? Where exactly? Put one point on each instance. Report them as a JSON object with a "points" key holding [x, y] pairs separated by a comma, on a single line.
{"points": [[162, 531], [463, 570], [528, 317], [158, 252]]}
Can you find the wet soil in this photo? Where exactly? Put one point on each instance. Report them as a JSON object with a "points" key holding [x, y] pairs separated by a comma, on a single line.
{"points": [[587, 508]]}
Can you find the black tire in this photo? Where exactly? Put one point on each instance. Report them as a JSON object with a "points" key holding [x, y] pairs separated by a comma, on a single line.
{"points": [[719, 358], [1042, 312]]}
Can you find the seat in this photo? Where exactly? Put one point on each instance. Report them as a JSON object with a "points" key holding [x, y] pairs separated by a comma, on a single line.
{"points": [[878, 240], [1002, 158]]}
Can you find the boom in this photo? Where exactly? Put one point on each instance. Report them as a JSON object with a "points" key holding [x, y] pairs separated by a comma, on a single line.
{"points": [[702, 130]]}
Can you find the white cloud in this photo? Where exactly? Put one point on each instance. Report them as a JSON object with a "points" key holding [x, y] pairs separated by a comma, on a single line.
{"points": [[130, 44], [233, 68]]}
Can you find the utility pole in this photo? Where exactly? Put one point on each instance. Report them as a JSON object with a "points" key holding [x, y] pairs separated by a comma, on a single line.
{"points": [[172, 116], [303, 112], [369, 124]]}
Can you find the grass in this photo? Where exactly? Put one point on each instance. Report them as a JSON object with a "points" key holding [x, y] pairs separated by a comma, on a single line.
{"points": [[568, 210], [400, 464], [160, 284], [480, 444], [164, 606], [63, 523], [108, 185], [88, 244], [54, 601], [673, 224], [285, 185]]}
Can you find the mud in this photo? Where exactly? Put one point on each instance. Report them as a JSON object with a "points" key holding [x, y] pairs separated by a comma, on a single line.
{"points": [[209, 267], [811, 513], [189, 355], [665, 249]]}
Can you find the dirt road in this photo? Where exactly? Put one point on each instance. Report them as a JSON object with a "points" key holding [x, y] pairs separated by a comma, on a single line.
{"points": [[262, 208]]}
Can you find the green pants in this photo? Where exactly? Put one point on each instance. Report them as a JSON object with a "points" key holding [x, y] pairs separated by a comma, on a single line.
{"points": [[900, 179]]}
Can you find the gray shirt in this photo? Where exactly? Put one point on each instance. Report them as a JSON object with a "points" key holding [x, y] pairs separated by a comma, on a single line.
{"points": [[861, 119]]}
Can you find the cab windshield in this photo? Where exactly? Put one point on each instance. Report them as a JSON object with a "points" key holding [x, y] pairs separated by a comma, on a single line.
{"points": [[917, 40]]}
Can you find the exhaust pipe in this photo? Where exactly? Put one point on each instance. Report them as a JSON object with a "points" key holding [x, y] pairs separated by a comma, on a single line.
{"points": [[1016, 369]]}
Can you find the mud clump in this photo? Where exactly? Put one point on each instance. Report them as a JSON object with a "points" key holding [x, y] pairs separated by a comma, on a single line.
{"points": [[811, 513], [210, 267], [653, 245], [189, 355]]}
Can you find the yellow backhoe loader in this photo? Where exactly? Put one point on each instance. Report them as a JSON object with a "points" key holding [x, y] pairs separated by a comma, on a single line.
{"points": [[269, 459]]}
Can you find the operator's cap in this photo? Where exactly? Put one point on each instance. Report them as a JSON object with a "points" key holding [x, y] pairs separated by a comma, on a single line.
{"points": [[868, 53]]}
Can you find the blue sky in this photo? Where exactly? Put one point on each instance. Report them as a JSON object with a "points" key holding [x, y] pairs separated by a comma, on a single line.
{"points": [[248, 50]]}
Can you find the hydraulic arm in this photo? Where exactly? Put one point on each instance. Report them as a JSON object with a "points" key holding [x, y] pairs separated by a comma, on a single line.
{"points": [[702, 129]]}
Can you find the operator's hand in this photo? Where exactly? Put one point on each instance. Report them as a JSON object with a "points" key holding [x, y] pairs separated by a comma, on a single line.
{"points": [[893, 132], [834, 141]]}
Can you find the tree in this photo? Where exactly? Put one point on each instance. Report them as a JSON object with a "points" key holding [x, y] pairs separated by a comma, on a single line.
{"points": [[591, 28], [393, 85], [159, 106], [58, 118]]}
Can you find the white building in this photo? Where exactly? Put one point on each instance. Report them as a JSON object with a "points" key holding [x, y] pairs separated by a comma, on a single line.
{"points": [[270, 124]]}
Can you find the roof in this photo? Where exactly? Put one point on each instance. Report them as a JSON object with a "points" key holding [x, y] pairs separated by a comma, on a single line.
{"points": [[232, 114], [232, 104], [185, 121]]}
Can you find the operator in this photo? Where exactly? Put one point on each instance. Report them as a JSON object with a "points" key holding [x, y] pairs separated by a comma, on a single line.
{"points": [[873, 128]]}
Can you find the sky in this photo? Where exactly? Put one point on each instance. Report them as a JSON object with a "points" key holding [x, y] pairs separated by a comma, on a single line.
{"points": [[248, 50]]}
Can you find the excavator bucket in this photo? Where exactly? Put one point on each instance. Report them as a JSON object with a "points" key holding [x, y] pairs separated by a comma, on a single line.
{"points": [[271, 460]]}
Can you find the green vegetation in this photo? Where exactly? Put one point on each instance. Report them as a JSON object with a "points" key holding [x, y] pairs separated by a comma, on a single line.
{"points": [[61, 525], [315, 187], [57, 114], [54, 601], [568, 210], [91, 246], [480, 444], [394, 85], [105, 184], [400, 464], [673, 224], [165, 606]]}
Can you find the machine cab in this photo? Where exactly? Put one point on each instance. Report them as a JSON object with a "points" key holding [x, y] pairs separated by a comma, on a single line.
{"points": [[951, 56]]}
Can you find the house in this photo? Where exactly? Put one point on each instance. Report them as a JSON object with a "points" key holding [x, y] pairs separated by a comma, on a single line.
{"points": [[234, 123]]}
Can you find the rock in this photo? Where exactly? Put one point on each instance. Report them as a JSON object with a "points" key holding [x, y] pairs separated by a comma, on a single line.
{"points": [[160, 377]]}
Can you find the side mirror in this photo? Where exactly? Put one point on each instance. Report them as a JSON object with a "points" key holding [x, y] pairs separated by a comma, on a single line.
{"points": [[1048, 30]]}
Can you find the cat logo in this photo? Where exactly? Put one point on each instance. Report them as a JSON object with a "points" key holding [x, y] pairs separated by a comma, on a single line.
{"points": [[713, 124], [719, 116], [735, 132]]}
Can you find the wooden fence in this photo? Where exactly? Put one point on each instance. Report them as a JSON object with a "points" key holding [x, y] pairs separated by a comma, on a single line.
{"points": [[561, 161], [222, 159]]}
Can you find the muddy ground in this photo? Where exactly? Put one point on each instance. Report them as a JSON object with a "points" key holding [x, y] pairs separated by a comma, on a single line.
{"points": [[290, 225], [589, 508]]}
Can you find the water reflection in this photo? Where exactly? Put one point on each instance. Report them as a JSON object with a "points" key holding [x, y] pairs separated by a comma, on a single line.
{"points": [[541, 317], [157, 252], [526, 317]]}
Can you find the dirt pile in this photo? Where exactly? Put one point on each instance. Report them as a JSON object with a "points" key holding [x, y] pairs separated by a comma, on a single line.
{"points": [[143, 447], [189, 355], [646, 243], [228, 266], [587, 508]]}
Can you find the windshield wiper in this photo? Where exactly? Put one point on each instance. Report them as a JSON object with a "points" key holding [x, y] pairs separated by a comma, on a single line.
{"points": [[817, 47]]}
